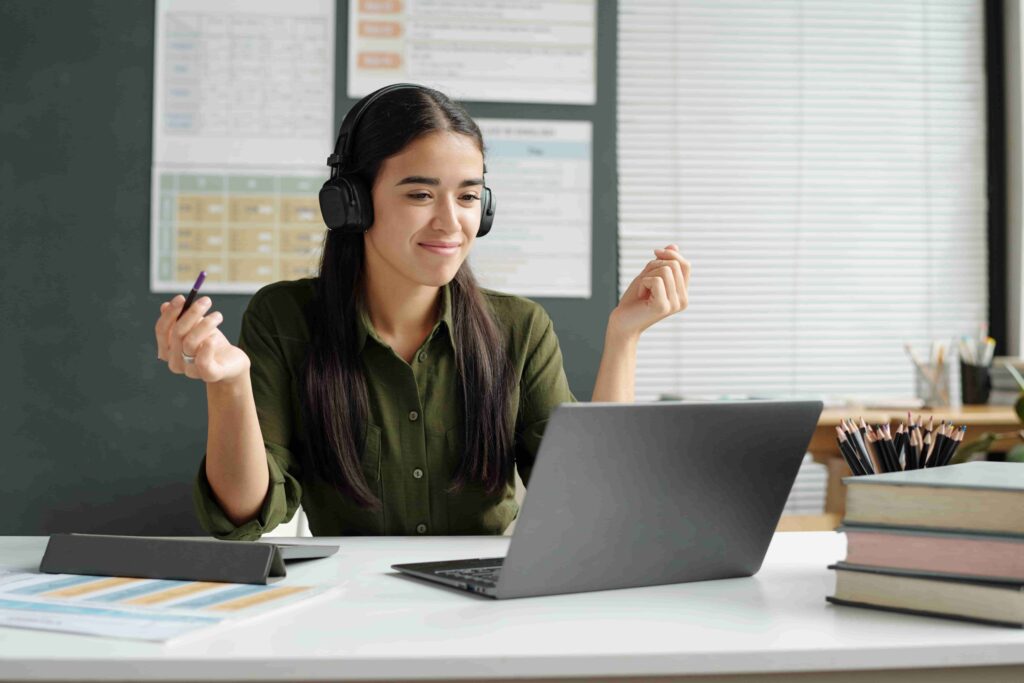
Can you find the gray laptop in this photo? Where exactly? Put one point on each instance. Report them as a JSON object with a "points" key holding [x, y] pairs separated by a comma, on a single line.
{"points": [[626, 495]]}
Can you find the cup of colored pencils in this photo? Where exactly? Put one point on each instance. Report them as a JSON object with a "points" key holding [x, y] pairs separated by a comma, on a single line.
{"points": [[873, 449]]}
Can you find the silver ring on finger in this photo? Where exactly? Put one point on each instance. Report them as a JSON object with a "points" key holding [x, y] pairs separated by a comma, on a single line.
{"points": [[187, 358]]}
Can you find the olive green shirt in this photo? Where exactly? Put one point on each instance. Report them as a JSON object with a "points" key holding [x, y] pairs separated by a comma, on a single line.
{"points": [[414, 432]]}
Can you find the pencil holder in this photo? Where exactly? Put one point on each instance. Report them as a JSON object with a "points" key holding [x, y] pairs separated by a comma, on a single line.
{"points": [[975, 383], [934, 387]]}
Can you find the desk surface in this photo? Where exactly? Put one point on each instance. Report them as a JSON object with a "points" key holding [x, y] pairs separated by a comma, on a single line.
{"points": [[383, 626]]}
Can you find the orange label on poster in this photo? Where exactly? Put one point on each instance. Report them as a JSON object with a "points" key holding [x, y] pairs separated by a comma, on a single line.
{"points": [[380, 6], [380, 29], [379, 60]]}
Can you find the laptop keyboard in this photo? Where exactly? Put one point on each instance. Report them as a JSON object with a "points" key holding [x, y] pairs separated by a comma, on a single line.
{"points": [[484, 575]]}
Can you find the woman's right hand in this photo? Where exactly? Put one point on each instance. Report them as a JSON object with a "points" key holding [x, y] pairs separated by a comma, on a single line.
{"points": [[197, 334]]}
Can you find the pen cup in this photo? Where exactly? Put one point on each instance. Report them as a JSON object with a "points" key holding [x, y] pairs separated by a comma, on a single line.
{"points": [[975, 383], [935, 389]]}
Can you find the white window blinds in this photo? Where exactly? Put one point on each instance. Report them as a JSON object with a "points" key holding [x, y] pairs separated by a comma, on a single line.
{"points": [[822, 165]]}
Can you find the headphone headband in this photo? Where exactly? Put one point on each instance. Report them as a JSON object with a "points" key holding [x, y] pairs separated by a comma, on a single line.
{"points": [[343, 147]]}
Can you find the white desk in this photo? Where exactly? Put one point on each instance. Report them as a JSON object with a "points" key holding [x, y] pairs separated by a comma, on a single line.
{"points": [[382, 626]]}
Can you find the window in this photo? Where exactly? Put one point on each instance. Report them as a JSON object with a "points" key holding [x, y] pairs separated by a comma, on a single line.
{"points": [[822, 165]]}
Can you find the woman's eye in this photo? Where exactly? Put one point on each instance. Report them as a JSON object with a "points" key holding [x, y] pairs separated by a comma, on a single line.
{"points": [[426, 195]]}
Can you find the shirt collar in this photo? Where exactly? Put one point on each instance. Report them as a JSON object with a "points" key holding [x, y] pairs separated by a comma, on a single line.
{"points": [[364, 328], [446, 316]]}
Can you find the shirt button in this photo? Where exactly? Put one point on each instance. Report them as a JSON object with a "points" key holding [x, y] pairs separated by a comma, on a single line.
{"points": [[414, 416], [417, 473], [421, 528], [423, 356]]}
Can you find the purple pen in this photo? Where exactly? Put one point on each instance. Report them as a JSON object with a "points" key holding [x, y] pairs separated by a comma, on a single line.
{"points": [[192, 295]]}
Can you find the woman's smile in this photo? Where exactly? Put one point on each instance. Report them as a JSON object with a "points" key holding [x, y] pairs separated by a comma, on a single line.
{"points": [[442, 248]]}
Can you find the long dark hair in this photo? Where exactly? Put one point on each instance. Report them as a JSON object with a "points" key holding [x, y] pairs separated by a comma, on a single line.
{"points": [[334, 399]]}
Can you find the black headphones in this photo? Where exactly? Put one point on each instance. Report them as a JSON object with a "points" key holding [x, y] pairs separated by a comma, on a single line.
{"points": [[345, 200]]}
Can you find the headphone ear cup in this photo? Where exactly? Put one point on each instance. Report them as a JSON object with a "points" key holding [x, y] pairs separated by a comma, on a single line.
{"points": [[487, 206], [345, 204]]}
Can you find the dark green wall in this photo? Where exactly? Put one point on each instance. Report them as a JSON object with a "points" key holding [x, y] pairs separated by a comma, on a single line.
{"points": [[97, 435]]}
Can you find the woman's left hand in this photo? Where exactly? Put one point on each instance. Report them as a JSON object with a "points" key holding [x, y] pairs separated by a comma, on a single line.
{"points": [[656, 293]]}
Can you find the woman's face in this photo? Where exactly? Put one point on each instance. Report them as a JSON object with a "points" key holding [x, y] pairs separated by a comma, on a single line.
{"points": [[426, 209]]}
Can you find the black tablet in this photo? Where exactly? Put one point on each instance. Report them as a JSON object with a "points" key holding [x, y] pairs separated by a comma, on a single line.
{"points": [[304, 551]]}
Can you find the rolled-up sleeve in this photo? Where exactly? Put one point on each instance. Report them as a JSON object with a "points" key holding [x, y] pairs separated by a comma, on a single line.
{"points": [[543, 386], [273, 394]]}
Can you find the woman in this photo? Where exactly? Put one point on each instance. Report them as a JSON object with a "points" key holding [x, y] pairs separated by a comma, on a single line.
{"points": [[392, 395]]}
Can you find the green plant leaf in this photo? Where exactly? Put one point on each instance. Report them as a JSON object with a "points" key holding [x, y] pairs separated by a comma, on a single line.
{"points": [[1016, 454], [979, 445], [1019, 407]]}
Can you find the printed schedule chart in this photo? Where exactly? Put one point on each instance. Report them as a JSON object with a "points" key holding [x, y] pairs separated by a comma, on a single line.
{"points": [[243, 107], [243, 230]]}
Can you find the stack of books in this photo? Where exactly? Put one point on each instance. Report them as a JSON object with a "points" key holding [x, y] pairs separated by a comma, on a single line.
{"points": [[946, 542]]}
